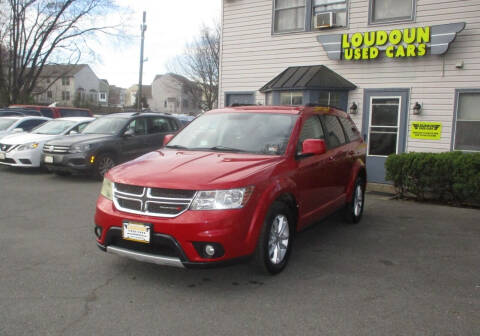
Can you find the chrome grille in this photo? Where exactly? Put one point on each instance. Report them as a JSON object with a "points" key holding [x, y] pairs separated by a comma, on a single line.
{"points": [[6, 148], [55, 149], [155, 202]]}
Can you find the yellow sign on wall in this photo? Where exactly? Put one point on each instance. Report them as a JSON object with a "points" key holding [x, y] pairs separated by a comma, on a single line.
{"points": [[426, 130]]}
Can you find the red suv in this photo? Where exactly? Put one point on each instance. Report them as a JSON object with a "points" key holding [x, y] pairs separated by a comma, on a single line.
{"points": [[56, 112], [234, 183]]}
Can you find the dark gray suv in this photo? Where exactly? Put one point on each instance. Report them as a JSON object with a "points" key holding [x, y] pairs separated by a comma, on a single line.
{"points": [[108, 141]]}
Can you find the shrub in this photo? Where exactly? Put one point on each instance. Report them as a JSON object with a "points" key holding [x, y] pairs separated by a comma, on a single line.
{"points": [[447, 177]]}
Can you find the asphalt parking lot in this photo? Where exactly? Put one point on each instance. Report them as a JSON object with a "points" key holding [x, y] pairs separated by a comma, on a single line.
{"points": [[407, 269]]}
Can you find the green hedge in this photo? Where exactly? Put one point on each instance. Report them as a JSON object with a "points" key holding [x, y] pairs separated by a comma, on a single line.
{"points": [[447, 177]]}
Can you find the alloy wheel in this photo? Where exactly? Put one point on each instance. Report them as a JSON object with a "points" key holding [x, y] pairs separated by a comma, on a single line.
{"points": [[278, 240]]}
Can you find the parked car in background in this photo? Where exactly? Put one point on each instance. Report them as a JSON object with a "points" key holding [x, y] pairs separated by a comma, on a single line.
{"points": [[19, 112], [17, 124], [25, 149], [57, 111], [185, 119], [235, 183], [108, 141]]}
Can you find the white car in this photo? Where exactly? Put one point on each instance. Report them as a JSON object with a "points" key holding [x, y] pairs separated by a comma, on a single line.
{"points": [[17, 124], [25, 149]]}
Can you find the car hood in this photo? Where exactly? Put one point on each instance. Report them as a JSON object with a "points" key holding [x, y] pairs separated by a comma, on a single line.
{"points": [[24, 138], [193, 170], [68, 140]]}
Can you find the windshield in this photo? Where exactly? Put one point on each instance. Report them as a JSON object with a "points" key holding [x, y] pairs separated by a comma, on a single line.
{"points": [[54, 127], [6, 123], [259, 133], [105, 126]]}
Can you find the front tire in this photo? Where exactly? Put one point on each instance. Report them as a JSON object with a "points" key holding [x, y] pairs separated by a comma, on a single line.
{"points": [[103, 164], [354, 208], [275, 242]]}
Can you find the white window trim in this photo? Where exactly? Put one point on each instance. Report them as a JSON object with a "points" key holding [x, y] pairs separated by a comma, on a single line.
{"points": [[393, 20], [458, 92]]}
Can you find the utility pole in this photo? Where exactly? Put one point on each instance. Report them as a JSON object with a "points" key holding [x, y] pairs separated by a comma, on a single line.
{"points": [[143, 28]]}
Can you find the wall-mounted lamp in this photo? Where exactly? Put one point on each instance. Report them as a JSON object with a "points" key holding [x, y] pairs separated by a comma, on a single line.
{"points": [[353, 108], [417, 108]]}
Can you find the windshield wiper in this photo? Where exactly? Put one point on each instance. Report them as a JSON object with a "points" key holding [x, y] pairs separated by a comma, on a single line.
{"points": [[224, 149], [176, 147]]}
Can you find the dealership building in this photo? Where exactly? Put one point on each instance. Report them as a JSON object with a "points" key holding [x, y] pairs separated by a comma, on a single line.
{"points": [[407, 71]]}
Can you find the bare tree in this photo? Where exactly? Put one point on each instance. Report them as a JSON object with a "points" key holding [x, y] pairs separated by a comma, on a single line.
{"points": [[200, 63], [35, 33]]}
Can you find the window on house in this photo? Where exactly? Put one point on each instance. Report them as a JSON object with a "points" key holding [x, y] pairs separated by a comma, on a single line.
{"points": [[185, 103], [338, 7], [291, 98], [103, 96], [65, 81], [467, 128], [289, 15], [49, 94], [65, 95], [391, 10], [165, 104]]}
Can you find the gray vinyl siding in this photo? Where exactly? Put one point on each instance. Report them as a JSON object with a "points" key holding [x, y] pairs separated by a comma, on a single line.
{"points": [[251, 56]]}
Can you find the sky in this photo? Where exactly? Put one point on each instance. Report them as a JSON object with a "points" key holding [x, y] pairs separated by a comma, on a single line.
{"points": [[170, 25]]}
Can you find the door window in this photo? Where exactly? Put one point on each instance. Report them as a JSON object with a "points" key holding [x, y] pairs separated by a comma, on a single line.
{"points": [[312, 129], [158, 125], [350, 129], [138, 126], [335, 136], [384, 126], [467, 135]]}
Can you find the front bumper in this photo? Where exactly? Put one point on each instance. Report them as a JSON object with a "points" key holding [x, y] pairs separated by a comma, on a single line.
{"points": [[70, 162], [173, 239], [25, 158]]}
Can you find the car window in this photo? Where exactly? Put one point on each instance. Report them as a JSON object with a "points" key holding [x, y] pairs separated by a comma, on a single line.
{"points": [[27, 125], [158, 125], [73, 113], [350, 129], [46, 112], [138, 126], [312, 129], [173, 125], [81, 127], [54, 127], [105, 125], [334, 131]]}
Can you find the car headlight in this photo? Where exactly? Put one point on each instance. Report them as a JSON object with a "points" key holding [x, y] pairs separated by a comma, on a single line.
{"points": [[107, 189], [221, 199], [80, 148], [31, 145]]}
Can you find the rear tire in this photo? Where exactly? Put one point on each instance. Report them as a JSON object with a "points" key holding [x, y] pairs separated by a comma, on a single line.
{"points": [[275, 242], [103, 164], [354, 208]]}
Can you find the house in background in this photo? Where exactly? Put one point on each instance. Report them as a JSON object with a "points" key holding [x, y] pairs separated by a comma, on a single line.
{"points": [[172, 93], [68, 85], [131, 95], [103, 91], [116, 96]]}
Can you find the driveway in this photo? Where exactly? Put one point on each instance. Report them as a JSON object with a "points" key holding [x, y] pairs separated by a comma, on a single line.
{"points": [[406, 269]]}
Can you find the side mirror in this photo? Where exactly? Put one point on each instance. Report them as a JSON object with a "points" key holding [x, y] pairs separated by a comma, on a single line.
{"points": [[17, 130], [314, 147], [129, 133], [167, 138], [72, 132]]}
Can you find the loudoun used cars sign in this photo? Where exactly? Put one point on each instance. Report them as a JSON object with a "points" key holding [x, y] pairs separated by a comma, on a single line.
{"points": [[397, 43]]}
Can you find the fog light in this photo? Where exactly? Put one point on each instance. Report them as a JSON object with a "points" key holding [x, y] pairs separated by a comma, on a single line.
{"points": [[209, 250], [98, 231]]}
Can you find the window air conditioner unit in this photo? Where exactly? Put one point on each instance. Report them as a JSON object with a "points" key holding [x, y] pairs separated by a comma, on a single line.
{"points": [[324, 20]]}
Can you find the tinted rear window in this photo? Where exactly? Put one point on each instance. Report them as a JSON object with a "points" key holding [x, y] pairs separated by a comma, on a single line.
{"points": [[73, 113]]}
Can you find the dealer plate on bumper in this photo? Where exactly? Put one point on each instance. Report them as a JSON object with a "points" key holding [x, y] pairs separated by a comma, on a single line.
{"points": [[48, 159], [138, 232]]}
